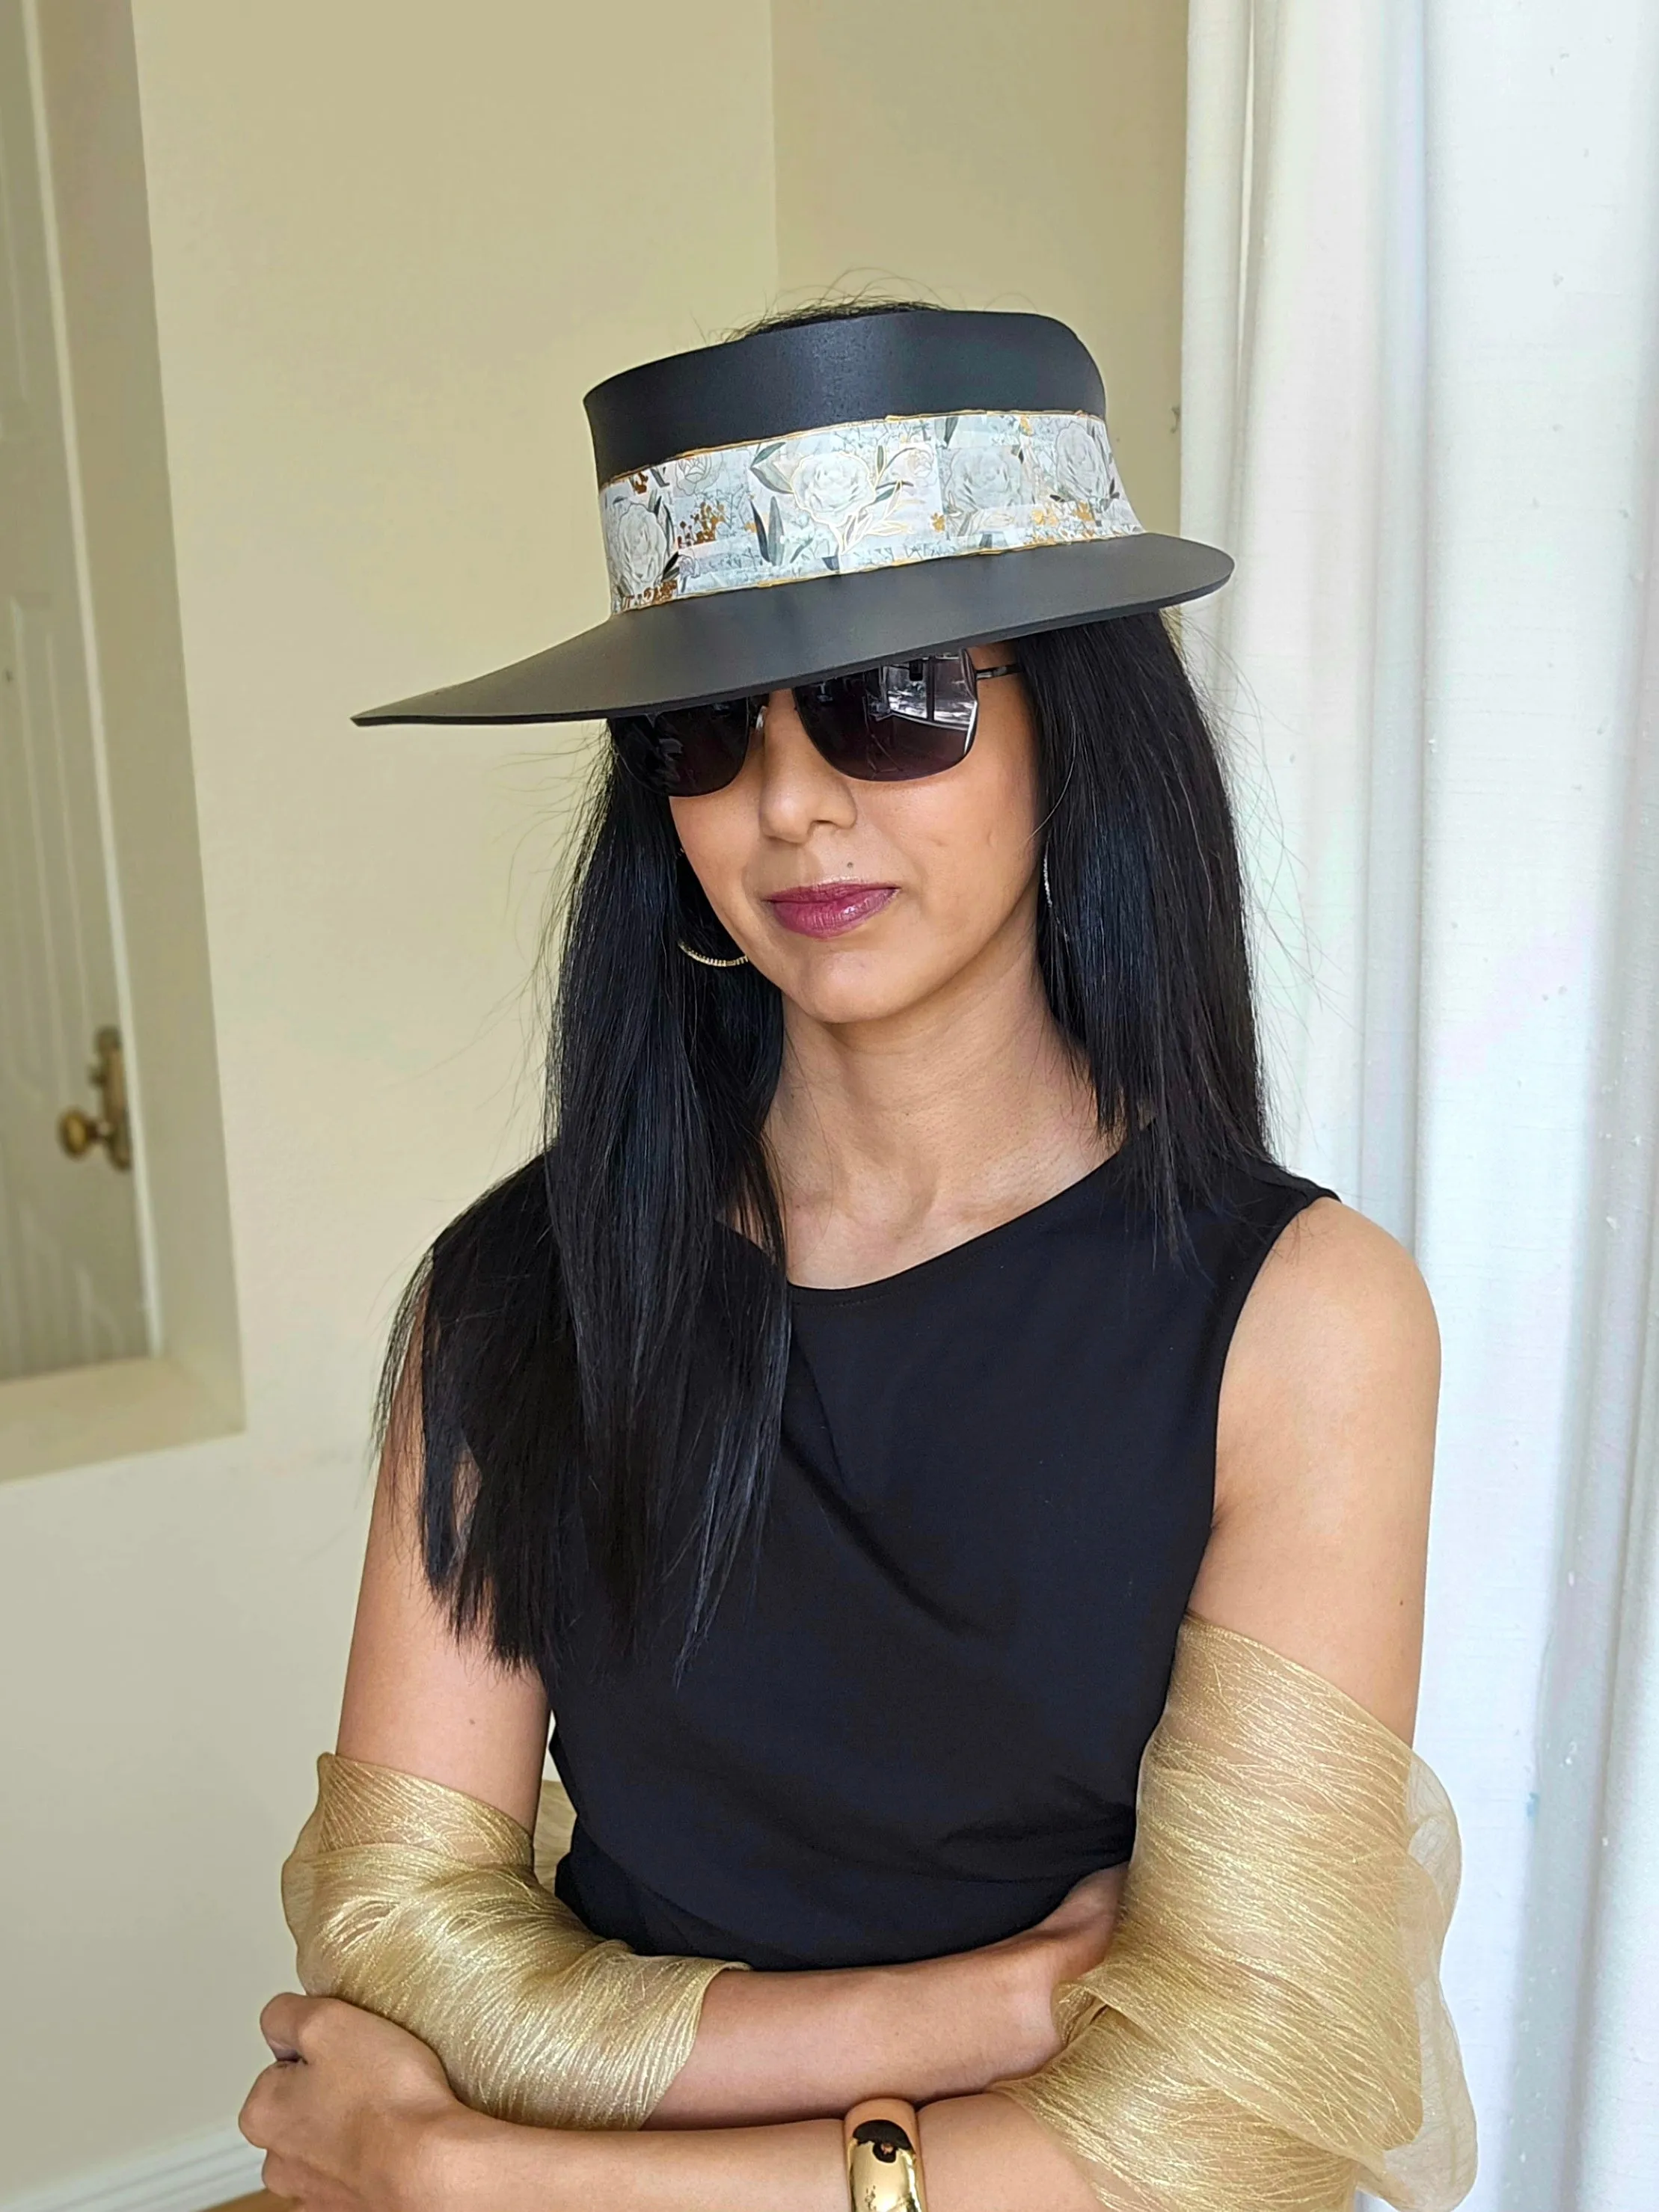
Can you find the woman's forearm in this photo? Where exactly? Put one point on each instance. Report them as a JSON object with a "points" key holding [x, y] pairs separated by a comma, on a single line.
{"points": [[778, 2047], [979, 2154], [788, 2046], [987, 2154], [476, 2165]]}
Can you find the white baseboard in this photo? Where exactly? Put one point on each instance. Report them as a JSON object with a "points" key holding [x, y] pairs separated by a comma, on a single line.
{"points": [[191, 2175]]}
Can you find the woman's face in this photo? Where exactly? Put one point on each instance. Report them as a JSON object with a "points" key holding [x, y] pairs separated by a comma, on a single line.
{"points": [[916, 881]]}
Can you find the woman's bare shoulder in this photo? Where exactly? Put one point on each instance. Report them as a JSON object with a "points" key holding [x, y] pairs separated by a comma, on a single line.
{"points": [[1339, 1309]]}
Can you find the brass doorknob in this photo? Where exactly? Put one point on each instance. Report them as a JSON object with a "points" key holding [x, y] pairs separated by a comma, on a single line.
{"points": [[79, 1133]]}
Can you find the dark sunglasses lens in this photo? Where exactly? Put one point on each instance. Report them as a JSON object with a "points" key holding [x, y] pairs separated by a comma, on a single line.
{"points": [[688, 752], [905, 719]]}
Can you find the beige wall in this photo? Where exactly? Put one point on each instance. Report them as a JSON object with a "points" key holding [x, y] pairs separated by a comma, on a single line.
{"points": [[393, 242], [1001, 153]]}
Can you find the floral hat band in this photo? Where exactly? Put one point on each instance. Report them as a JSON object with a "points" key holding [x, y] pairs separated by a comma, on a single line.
{"points": [[858, 495], [861, 459]]}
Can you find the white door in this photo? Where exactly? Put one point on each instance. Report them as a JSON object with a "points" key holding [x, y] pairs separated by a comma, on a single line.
{"points": [[70, 1277]]}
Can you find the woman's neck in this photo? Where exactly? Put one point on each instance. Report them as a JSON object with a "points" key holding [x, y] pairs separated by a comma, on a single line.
{"points": [[896, 1138]]}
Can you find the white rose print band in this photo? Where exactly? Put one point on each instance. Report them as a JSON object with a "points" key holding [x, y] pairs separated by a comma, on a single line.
{"points": [[858, 495]]}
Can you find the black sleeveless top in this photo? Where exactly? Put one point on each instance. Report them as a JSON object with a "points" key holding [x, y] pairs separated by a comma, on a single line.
{"points": [[920, 1719]]}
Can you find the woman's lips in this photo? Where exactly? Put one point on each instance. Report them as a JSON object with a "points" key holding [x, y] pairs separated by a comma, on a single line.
{"points": [[826, 909]]}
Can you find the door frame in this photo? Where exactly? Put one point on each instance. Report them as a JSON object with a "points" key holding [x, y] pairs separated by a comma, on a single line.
{"points": [[84, 83]]}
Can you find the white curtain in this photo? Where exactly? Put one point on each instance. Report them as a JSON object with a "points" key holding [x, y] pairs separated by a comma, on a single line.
{"points": [[1420, 398]]}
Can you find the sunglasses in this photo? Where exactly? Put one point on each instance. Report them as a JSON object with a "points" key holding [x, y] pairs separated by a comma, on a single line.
{"points": [[892, 724]]}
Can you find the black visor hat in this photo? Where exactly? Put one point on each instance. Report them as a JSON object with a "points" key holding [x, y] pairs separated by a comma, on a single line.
{"points": [[825, 496]]}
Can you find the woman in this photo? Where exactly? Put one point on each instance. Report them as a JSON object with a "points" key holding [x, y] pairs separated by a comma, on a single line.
{"points": [[904, 1355]]}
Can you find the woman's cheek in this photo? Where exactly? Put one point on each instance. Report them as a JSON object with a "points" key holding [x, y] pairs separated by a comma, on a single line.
{"points": [[717, 860]]}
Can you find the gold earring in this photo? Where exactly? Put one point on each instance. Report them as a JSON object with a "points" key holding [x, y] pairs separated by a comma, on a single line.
{"points": [[708, 959]]}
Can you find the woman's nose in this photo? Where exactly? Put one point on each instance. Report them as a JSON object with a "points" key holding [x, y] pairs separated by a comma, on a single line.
{"points": [[798, 788]]}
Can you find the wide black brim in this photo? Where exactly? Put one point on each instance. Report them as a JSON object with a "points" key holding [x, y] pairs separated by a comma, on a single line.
{"points": [[728, 643]]}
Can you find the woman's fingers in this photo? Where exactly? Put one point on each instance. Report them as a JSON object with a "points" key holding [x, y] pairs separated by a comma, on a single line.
{"points": [[1079, 1929], [283, 2021], [258, 2118], [1092, 1900], [345, 2103], [280, 2179]]}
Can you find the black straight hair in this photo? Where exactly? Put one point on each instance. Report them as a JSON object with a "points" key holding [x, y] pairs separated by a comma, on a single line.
{"points": [[590, 1387]]}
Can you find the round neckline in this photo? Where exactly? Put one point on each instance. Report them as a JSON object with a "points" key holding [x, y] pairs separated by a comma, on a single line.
{"points": [[825, 1295]]}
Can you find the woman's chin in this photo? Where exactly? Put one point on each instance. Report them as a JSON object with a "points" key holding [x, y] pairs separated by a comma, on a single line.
{"points": [[846, 987]]}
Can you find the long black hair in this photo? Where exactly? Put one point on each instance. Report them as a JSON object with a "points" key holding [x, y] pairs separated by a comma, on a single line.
{"points": [[588, 1367]]}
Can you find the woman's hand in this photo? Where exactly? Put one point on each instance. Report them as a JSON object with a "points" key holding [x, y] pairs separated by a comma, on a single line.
{"points": [[1074, 1938], [350, 2111], [355, 2115]]}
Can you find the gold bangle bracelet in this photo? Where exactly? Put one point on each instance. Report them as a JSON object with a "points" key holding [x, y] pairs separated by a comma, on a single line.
{"points": [[883, 2157]]}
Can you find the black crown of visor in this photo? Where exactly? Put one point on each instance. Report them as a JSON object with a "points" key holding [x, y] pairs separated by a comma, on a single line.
{"points": [[777, 383]]}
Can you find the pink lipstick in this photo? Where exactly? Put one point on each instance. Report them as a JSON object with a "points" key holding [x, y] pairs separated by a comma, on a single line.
{"points": [[827, 910]]}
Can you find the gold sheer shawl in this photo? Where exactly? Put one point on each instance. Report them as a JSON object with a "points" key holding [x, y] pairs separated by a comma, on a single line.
{"points": [[1267, 2033], [423, 1905]]}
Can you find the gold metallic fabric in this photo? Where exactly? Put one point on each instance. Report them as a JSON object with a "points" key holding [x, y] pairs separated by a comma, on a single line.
{"points": [[423, 1905], [1267, 2033]]}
